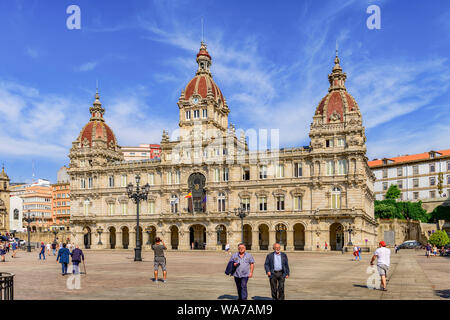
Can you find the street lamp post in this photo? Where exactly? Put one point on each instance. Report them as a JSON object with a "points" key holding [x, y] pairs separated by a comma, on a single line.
{"points": [[55, 232], [219, 230], [241, 213], [148, 231], [99, 231], [29, 219], [350, 230], [137, 196], [281, 228]]}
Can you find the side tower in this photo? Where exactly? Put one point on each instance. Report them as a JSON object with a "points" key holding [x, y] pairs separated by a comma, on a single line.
{"points": [[338, 162], [4, 202]]}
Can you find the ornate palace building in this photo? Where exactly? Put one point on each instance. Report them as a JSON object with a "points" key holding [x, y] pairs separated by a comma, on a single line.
{"points": [[4, 202], [302, 197]]}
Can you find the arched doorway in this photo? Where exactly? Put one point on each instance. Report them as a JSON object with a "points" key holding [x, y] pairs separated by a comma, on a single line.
{"points": [[299, 237], [174, 237], [112, 237], [125, 237], [263, 237], [248, 236], [87, 237], [197, 236], [151, 235], [221, 231], [281, 235], [336, 236]]}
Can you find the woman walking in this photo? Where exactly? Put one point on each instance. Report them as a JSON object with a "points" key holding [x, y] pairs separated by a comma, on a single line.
{"points": [[2, 251], [77, 255], [63, 257]]}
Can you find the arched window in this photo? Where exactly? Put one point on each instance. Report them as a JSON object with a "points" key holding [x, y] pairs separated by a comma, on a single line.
{"points": [[336, 198], [174, 204], [221, 202]]}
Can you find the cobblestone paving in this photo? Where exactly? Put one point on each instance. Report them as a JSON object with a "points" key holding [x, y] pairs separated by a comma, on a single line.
{"points": [[200, 275]]}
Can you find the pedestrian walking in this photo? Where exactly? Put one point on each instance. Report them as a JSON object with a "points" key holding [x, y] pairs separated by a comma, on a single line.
{"points": [[434, 251], [48, 248], [54, 248], [359, 253], [395, 248], [2, 251], [277, 269], [159, 259], [63, 257], [343, 249], [7, 246], [383, 256], [14, 249], [244, 264], [428, 250], [77, 256], [42, 251], [326, 246], [355, 252]]}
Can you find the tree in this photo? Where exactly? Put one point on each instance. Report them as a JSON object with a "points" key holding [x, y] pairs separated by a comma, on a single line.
{"points": [[440, 213], [386, 211], [439, 238], [393, 192]]}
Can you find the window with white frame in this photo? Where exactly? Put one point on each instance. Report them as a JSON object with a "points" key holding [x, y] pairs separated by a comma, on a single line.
{"points": [[151, 206], [385, 185], [188, 115], [432, 167], [297, 203], [341, 142], [110, 209], [336, 198], [298, 170], [280, 170], [86, 208], [82, 183], [262, 203], [432, 181], [263, 172], [330, 167], [330, 143], [151, 179], [399, 171], [90, 183], [400, 184], [448, 179], [342, 166], [123, 181], [124, 209], [174, 204], [169, 177], [177, 177], [415, 183], [245, 204], [221, 202], [196, 114], [416, 169], [280, 203], [205, 113], [225, 174], [385, 173], [432, 194], [111, 181], [216, 175]]}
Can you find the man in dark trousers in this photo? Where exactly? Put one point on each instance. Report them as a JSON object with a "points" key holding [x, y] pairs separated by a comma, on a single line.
{"points": [[159, 260], [277, 269]]}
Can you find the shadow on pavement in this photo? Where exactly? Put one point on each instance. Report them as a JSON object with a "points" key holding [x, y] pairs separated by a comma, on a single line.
{"points": [[443, 293], [360, 286], [261, 298], [227, 296]]}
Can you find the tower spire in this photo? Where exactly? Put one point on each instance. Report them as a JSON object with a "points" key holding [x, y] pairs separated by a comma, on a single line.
{"points": [[337, 77], [97, 110], [203, 60]]}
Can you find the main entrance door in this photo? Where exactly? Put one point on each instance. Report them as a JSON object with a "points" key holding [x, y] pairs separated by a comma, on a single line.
{"points": [[197, 236], [336, 236]]}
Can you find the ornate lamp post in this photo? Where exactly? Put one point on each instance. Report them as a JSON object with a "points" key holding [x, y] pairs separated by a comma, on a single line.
{"points": [[241, 213], [55, 232], [350, 230], [30, 218], [99, 231], [219, 230], [281, 228], [137, 196], [148, 230]]}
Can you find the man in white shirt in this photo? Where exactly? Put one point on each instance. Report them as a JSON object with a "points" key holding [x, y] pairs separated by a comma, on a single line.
{"points": [[383, 256]]}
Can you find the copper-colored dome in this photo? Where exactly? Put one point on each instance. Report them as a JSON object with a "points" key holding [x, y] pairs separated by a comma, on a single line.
{"points": [[95, 130], [200, 85]]}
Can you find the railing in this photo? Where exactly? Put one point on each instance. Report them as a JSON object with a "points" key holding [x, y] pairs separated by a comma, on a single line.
{"points": [[6, 286]]}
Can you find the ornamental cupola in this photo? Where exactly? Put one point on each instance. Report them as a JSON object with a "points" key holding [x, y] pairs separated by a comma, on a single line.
{"points": [[337, 121], [201, 102], [96, 144]]}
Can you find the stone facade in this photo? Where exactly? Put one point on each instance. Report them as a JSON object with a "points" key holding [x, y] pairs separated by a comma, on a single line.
{"points": [[4, 202], [304, 197]]}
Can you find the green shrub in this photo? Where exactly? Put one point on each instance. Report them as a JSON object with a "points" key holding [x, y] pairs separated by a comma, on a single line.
{"points": [[439, 238]]}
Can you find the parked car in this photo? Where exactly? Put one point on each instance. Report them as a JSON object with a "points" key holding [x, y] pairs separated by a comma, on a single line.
{"points": [[410, 244]]}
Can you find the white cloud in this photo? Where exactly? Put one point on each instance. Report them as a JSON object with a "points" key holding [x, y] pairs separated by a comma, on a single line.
{"points": [[88, 66], [33, 52]]}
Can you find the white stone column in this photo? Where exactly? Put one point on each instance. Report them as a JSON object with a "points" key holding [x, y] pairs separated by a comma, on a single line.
{"points": [[183, 240], [290, 240], [272, 238], [119, 238], [255, 240]]}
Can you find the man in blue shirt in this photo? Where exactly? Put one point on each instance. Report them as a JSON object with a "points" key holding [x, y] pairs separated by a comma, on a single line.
{"points": [[244, 263], [277, 269]]}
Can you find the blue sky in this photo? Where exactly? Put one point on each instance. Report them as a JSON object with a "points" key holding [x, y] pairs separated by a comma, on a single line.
{"points": [[270, 59]]}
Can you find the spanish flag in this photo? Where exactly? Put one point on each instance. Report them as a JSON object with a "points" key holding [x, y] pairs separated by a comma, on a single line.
{"points": [[189, 195]]}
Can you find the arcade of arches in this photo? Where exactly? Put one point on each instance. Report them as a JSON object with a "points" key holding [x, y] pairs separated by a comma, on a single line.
{"points": [[292, 236]]}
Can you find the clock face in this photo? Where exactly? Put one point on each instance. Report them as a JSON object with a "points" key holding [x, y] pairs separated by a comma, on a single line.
{"points": [[195, 100]]}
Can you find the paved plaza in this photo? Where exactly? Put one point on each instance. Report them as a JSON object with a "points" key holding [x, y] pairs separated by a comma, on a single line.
{"points": [[199, 275]]}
